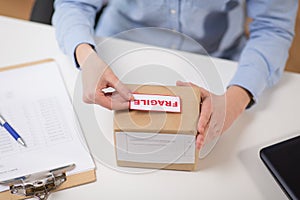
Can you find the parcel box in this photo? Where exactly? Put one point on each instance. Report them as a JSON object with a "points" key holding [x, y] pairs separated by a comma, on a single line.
{"points": [[158, 138]]}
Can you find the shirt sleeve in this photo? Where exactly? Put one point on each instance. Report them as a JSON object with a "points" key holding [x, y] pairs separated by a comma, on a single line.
{"points": [[74, 23], [271, 33]]}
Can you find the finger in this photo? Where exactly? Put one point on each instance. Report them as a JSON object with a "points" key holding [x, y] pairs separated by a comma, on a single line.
{"points": [[204, 92], [212, 131], [206, 110], [111, 102], [103, 100], [189, 84], [124, 91], [202, 138], [88, 96], [120, 87], [118, 102], [199, 141], [120, 105], [205, 115]]}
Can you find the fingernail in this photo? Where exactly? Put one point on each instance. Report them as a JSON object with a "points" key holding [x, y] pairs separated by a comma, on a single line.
{"points": [[130, 97]]}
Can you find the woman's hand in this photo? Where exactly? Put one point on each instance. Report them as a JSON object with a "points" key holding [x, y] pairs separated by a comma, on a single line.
{"points": [[98, 76], [218, 112]]}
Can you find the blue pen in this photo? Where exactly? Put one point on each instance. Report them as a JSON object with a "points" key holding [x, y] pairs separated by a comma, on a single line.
{"points": [[11, 131]]}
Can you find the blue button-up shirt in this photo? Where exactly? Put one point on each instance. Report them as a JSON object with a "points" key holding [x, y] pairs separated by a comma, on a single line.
{"points": [[218, 25]]}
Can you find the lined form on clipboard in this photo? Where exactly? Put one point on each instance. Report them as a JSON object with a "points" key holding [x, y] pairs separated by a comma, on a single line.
{"points": [[36, 103]]}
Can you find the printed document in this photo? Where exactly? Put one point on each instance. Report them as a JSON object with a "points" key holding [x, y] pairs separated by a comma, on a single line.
{"points": [[34, 100]]}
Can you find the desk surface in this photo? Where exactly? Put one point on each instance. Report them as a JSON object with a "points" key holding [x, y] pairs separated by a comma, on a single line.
{"points": [[232, 170]]}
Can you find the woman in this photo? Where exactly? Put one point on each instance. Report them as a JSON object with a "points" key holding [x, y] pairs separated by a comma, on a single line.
{"points": [[218, 25]]}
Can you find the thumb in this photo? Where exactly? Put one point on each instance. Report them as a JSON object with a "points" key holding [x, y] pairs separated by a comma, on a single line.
{"points": [[123, 90], [114, 82]]}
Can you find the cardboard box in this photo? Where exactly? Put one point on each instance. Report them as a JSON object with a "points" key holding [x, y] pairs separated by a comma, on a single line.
{"points": [[153, 139]]}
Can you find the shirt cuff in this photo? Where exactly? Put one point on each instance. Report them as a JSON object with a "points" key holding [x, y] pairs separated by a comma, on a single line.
{"points": [[80, 35], [252, 80]]}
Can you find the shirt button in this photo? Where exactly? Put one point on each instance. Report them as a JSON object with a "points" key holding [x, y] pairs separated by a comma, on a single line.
{"points": [[172, 11]]}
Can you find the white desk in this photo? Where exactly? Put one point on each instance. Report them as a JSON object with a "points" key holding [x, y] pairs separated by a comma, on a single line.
{"points": [[233, 170]]}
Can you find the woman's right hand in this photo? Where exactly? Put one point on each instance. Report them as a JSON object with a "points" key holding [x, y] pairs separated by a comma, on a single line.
{"points": [[96, 76]]}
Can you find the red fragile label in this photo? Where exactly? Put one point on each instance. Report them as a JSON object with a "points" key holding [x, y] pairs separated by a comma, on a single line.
{"points": [[150, 102]]}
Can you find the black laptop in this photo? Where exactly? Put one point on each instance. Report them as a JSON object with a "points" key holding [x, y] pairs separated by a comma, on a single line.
{"points": [[283, 161]]}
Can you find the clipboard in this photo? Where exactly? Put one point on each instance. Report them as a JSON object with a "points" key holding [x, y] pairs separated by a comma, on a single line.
{"points": [[46, 183], [57, 177]]}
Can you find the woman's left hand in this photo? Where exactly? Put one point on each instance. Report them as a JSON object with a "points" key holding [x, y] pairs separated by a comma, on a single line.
{"points": [[218, 112]]}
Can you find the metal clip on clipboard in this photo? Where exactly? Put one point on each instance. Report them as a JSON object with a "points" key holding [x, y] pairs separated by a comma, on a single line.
{"points": [[38, 185]]}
